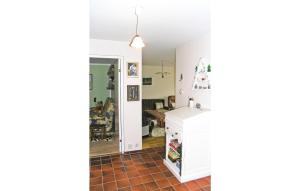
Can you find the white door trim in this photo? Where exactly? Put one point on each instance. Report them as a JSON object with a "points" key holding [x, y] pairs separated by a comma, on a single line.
{"points": [[120, 95]]}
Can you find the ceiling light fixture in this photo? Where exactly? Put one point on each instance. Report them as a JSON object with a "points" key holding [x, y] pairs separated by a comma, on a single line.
{"points": [[137, 41], [162, 73]]}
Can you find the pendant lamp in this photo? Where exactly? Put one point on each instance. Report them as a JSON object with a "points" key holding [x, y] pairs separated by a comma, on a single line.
{"points": [[137, 41]]}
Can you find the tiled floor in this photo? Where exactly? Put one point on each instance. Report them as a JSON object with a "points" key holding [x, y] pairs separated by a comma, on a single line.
{"points": [[138, 171]]}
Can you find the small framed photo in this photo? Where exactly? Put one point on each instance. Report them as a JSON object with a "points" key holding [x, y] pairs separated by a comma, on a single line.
{"points": [[147, 81], [91, 81], [133, 69], [133, 93]]}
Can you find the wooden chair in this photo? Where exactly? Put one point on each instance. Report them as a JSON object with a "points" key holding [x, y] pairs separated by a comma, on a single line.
{"points": [[171, 99]]}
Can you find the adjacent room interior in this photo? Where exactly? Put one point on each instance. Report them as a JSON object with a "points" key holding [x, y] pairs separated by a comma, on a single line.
{"points": [[104, 107], [158, 96]]}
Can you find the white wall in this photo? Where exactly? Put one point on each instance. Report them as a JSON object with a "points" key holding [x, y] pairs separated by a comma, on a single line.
{"points": [[132, 110], [187, 56], [161, 87]]}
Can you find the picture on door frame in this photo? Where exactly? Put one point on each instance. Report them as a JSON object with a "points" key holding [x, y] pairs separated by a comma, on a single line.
{"points": [[133, 93], [133, 69]]}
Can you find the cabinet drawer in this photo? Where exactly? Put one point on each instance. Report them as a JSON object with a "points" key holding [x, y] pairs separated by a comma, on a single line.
{"points": [[173, 130]]}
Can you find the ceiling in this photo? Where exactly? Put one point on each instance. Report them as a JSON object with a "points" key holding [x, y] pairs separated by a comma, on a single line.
{"points": [[163, 24]]}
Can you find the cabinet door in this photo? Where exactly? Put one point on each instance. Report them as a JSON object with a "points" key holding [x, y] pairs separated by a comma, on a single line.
{"points": [[196, 155]]}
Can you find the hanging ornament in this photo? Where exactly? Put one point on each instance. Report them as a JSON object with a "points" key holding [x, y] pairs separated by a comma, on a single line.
{"points": [[200, 76]]}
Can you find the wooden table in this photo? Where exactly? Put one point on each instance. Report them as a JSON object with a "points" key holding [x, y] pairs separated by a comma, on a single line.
{"points": [[159, 115]]}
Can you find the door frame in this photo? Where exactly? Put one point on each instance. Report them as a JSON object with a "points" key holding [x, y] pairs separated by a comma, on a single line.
{"points": [[120, 96]]}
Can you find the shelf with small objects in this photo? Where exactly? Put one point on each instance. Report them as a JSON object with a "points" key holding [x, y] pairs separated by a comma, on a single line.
{"points": [[111, 77], [173, 148], [174, 153], [201, 75]]}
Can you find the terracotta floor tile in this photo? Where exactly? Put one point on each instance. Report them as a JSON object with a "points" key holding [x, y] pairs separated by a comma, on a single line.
{"points": [[154, 170], [107, 172], [208, 179], [138, 188], [117, 164], [202, 182], [121, 176], [144, 172], [96, 188], [132, 173], [98, 167], [151, 186], [95, 173], [111, 186], [108, 178], [128, 163], [168, 189], [96, 180], [168, 174], [163, 183], [162, 168], [131, 168], [135, 181], [114, 160], [119, 170], [147, 178], [123, 183], [192, 185], [158, 176], [198, 189], [106, 166], [180, 187], [173, 181], [140, 171], [150, 164], [206, 188], [125, 189]]}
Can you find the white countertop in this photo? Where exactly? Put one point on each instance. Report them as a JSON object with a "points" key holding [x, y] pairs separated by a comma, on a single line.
{"points": [[186, 112]]}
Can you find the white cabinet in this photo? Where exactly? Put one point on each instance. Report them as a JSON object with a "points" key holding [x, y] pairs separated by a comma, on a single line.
{"points": [[187, 143]]}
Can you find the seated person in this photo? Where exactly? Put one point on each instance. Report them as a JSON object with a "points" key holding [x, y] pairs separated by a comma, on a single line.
{"points": [[99, 106], [96, 111]]}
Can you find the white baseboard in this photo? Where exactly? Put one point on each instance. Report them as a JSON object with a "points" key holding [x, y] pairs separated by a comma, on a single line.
{"points": [[185, 178]]}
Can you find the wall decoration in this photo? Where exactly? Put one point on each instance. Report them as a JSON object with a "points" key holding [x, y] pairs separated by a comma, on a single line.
{"points": [[201, 76], [91, 81], [132, 69], [181, 77], [133, 93], [147, 81], [208, 68]]}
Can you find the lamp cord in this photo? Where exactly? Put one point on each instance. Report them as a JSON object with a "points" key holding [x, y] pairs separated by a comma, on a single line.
{"points": [[137, 23]]}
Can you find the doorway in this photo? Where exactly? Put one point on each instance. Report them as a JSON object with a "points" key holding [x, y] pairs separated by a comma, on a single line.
{"points": [[105, 127]]}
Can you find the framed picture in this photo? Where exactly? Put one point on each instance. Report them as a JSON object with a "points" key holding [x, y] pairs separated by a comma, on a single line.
{"points": [[133, 93], [133, 69], [147, 81], [91, 81]]}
